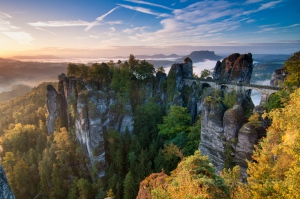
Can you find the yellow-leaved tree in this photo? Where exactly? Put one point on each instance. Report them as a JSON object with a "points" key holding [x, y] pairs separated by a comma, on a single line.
{"points": [[275, 172]]}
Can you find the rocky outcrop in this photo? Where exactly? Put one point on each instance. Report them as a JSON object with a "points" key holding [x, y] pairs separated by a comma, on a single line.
{"points": [[226, 138], [278, 77], [247, 138], [234, 68], [5, 191], [53, 108], [233, 120], [91, 113], [212, 132]]}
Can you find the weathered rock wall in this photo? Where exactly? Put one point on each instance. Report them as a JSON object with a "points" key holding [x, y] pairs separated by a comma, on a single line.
{"points": [[6, 192], [91, 113], [234, 68]]}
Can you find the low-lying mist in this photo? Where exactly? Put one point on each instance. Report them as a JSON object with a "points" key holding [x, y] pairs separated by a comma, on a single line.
{"points": [[28, 73]]}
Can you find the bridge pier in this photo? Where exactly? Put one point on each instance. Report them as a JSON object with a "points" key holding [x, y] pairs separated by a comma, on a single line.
{"points": [[264, 98]]}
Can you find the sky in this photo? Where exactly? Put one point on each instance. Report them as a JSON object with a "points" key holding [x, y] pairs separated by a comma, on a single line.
{"points": [[99, 28]]}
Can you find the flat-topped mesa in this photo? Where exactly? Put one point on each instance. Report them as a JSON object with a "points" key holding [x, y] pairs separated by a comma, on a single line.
{"points": [[234, 68]]}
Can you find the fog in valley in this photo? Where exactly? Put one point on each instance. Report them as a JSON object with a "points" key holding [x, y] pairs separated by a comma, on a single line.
{"points": [[33, 72]]}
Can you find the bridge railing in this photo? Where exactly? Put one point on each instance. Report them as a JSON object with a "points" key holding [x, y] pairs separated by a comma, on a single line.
{"points": [[236, 83]]}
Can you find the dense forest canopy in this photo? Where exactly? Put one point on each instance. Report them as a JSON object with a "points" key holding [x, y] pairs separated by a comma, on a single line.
{"points": [[164, 140]]}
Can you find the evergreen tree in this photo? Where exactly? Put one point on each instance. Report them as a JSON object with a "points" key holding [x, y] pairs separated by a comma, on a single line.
{"points": [[129, 187]]}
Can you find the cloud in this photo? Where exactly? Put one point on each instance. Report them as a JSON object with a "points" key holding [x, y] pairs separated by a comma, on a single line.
{"points": [[250, 21], [38, 28], [21, 37], [74, 23], [196, 24], [59, 23], [94, 23], [150, 4], [253, 1], [276, 27], [6, 15], [133, 30], [269, 5], [263, 7], [7, 26], [114, 22], [144, 10]]}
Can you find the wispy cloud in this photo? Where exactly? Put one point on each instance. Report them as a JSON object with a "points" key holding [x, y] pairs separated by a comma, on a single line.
{"points": [[250, 21], [144, 10], [114, 22], [150, 4], [59, 23], [194, 24], [21, 37], [74, 23], [99, 19], [134, 30], [6, 25], [269, 5], [277, 27], [6, 15], [38, 28], [252, 1]]}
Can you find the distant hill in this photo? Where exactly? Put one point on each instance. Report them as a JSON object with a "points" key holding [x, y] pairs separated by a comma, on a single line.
{"points": [[36, 57], [7, 60], [200, 56], [157, 56], [270, 57]]}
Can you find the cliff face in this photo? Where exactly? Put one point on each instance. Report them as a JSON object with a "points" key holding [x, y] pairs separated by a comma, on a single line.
{"points": [[234, 68], [90, 112], [278, 77], [212, 132], [5, 190], [226, 138]]}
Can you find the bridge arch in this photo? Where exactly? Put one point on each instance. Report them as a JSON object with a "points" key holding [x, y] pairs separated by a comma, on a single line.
{"points": [[255, 96], [224, 87], [204, 85]]}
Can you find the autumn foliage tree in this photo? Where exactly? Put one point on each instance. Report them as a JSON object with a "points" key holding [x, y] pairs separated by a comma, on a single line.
{"points": [[275, 173]]}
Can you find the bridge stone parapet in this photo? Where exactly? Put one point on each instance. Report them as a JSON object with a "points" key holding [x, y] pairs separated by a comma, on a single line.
{"points": [[264, 90]]}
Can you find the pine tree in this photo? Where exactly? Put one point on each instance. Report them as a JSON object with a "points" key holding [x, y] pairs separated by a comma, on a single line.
{"points": [[129, 187]]}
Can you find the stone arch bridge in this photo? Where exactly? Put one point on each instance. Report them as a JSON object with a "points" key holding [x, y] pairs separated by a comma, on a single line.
{"points": [[265, 91]]}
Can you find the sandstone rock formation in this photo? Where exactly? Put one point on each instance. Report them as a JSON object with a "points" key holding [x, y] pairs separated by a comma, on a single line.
{"points": [[5, 190], [278, 77], [234, 68], [91, 112], [212, 132]]}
